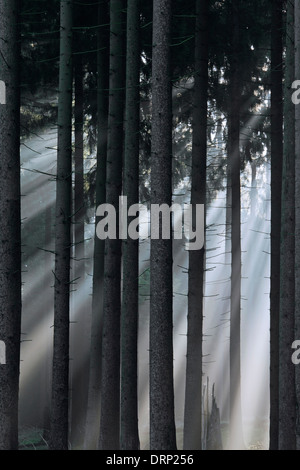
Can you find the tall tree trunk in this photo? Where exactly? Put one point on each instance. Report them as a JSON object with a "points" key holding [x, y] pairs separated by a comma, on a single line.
{"points": [[80, 373], [297, 218], [94, 389], [110, 390], [60, 377], [253, 194], [130, 304], [162, 421], [236, 431], [276, 184], [10, 223], [193, 387], [287, 398]]}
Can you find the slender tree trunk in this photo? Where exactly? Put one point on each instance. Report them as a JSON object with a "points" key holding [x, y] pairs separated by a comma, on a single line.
{"points": [[10, 223], [228, 216], [236, 428], [110, 397], [130, 307], [60, 376], [162, 422], [93, 408], [193, 387], [48, 268], [297, 218], [80, 373], [253, 195], [287, 398], [276, 184]]}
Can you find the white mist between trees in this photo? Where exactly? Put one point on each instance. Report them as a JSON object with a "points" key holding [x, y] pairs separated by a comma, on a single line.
{"points": [[185, 220]]}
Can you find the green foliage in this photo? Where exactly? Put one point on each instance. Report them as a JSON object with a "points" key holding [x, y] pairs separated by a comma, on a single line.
{"points": [[32, 439]]}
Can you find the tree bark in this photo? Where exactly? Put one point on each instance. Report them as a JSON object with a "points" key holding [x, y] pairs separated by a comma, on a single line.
{"points": [[130, 307], [60, 375], [287, 396], [297, 218], [10, 223], [276, 185], [193, 386], [162, 421], [94, 390], [110, 398]]}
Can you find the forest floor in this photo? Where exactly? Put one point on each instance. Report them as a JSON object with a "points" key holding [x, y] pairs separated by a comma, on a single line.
{"points": [[256, 436]]}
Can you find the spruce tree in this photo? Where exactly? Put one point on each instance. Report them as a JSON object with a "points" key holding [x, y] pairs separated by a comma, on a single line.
{"points": [[162, 421], [60, 375], [130, 304], [193, 391], [10, 223], [287, 396], [110, 385]]}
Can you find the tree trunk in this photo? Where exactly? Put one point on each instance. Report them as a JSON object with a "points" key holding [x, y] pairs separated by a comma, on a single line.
{"points": [[10, 223], [193, 387], [253, 194], [287, 398], [236, 428], [276, 184], [297, 218], [130, 307], [60, 376], [93, 407], [162, 422], [110, 397]]}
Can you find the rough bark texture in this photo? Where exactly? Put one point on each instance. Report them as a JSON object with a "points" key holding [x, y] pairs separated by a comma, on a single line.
{"points": [[287, 398], [214, 434], [110, 390], [235, 168], [129, 331], [93, 408], [276, 184], [10, 223], [193, 388], [297, 218], [162, 422], [60, 377]]}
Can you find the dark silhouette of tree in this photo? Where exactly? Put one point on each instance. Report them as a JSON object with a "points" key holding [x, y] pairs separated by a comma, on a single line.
{"points": [[110, 387], [193, 392], [94, 389], [10, 223], [162, 422], [297, 219], [276, 184], [130, 307], [287, 398], [60, 377]]}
